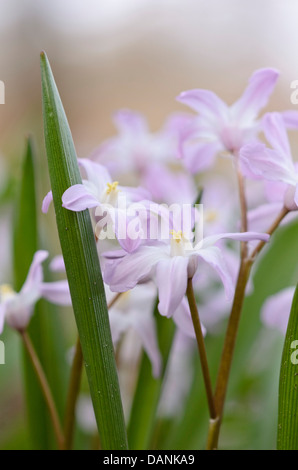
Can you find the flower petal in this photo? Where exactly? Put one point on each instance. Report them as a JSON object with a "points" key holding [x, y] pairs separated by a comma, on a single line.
{"points": [[124, 273], [290, 119], [256, 95], [276, 134], [199, 156], [213, 256], [243, 237], [182, 318], [205, 102], [276, 310], [130, 122], [35, 274], [46, 202], [171, 277], [96, 174], [57, 264], [268, 163], [145, 326], [56, 292], [77, 198]]}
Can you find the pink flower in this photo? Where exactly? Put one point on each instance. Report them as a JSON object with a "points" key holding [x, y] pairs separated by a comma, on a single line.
{"points": [[274, 164], [170, 264], [137, 152], [220, 127], [276, 310], [17, 308], [110, 202], [134, 310]]}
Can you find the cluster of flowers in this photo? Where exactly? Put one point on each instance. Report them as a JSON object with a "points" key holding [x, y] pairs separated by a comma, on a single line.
{"points": [[138, 256]]}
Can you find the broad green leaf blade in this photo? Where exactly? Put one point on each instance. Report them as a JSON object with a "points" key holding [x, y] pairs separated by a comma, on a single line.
{"points": [[287, 433], [148, 390], [44, 321], [83, 270], [25, 245]]}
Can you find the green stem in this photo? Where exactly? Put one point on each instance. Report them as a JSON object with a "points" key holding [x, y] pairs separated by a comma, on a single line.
{"points": [[45, 388], [201, 347], [232, 330], [72, 395]]}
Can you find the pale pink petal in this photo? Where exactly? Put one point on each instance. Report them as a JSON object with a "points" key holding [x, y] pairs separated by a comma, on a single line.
{"points": [[35, 274], [56, 292], [275, 191], [268, 163], [290, 119], [276, 134], [262, 217], [57, 264], [276, 310], [130, 122], [95, 173], [145, 326], [77, 198], [171, 277], [182, 318], [123, 274], [213, 256], [200, 156], [205, 102], [256, 95], [46, 202], [243, 237]]}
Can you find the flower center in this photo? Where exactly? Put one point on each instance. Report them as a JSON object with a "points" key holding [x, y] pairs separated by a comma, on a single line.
{"points": [[112, 187], [179, 243], [177, 236], [111, 194], [6, 292]]}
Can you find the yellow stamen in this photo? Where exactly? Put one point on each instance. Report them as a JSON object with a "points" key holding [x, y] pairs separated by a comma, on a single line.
{"points": [[177, 236], [112, 187], [6, 291]]}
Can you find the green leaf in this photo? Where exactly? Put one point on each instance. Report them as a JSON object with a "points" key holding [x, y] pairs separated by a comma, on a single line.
{"points": [[83, 270], [287, 434], [25, 245], [148, 390], [44, 321]]}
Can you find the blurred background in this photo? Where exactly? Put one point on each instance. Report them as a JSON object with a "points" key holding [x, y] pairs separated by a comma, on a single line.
{"points": [[138, 54]]}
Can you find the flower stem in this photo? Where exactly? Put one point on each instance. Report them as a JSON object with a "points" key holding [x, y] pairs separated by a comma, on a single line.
{"points": [[45, 388], [232, 330], [72, 395], [201, 347]]}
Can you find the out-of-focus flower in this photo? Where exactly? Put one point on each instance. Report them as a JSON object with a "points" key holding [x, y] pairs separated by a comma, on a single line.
{"points": [[17, 308], [276, 309], [134, 310], [151, 157], [85, 414], [220, 127], [171, 264], [178, 377], [219, 205], [276, 163]]}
